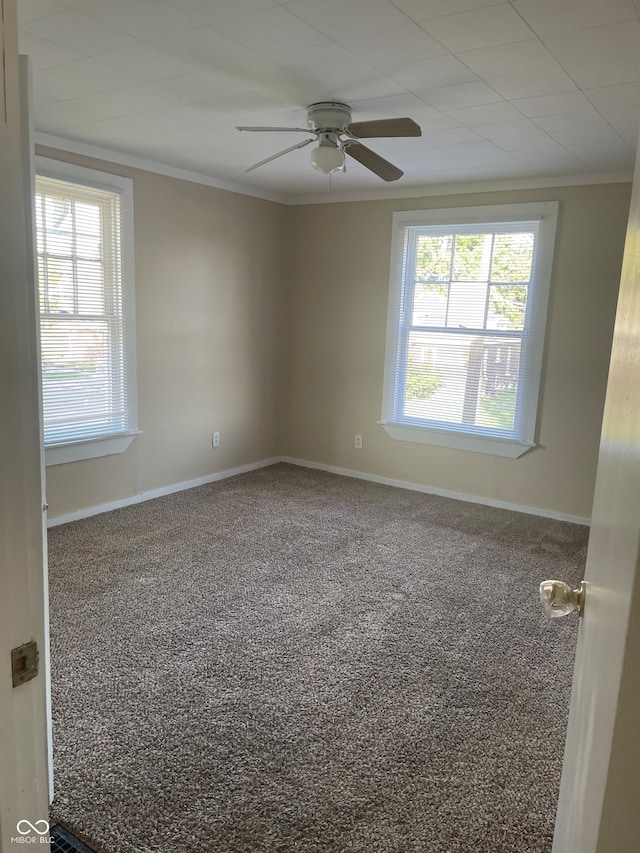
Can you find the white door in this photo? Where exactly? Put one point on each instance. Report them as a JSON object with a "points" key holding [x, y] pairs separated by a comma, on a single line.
{"points": [[23, 717], [599, 807]]}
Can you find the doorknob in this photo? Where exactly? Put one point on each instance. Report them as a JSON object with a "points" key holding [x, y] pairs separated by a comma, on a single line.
{"points": [[558, 599]]}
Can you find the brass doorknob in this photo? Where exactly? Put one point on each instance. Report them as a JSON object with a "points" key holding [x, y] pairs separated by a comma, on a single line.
{"points": [[558, 599]]}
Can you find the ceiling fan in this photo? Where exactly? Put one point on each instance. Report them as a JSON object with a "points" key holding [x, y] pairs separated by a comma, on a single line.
{"points": [[330, 125]]}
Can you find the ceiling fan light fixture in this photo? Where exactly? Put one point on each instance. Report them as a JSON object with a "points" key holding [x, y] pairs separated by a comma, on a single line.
{"points": [[327, 158], [330, 123]]}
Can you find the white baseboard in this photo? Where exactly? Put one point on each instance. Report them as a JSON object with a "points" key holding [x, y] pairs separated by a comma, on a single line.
{"points": [[304, 463], [158, 493], [430, 490]]}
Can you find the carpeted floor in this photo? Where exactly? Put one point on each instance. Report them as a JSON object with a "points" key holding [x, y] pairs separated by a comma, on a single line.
{"points": [[295, 662]]}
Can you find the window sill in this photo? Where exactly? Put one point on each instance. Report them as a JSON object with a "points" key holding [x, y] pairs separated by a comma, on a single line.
{"points": [[108, 445], [457, 440]]}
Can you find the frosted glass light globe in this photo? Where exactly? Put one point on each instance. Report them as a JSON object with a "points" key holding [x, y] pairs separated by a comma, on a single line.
{"points": [[327, 158]]}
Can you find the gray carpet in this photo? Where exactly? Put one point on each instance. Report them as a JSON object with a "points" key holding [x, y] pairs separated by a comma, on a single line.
{"points": [[295, 662]]}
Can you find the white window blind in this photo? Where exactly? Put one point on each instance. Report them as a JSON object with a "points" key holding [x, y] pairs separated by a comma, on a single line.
{"points": [[84, 375], [466, 333]]}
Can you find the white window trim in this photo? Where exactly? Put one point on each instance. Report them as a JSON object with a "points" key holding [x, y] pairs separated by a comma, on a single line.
{"points": [[547, 213], [58, 454]]}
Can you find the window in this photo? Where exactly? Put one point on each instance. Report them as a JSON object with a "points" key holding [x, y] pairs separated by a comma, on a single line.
{"points": [[467, 314], [83, 224]]}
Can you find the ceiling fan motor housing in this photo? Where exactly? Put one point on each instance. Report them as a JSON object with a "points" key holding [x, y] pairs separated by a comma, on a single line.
{"points": [[328, 115]]}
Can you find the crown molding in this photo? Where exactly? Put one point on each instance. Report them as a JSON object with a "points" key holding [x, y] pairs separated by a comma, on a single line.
{"points": [[110, 155], [463, 188]]}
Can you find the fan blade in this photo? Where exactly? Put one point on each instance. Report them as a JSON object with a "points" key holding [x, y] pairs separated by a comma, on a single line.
{"points": [[277, 129], [279, 154], [377, 164], [384, 127]]}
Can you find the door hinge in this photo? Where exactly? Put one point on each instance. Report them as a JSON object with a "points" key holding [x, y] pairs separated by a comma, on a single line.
{"points": [[24, 663]]}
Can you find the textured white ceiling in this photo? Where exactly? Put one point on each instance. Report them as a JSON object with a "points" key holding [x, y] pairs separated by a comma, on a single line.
{"points": [[502, 90]]}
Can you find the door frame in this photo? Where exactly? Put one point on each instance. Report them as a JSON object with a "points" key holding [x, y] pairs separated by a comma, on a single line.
{"points": [[24, 773]]}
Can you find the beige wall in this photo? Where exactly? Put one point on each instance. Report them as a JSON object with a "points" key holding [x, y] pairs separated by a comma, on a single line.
{"points": [[226, 285], [209, 286], [336, 321]]}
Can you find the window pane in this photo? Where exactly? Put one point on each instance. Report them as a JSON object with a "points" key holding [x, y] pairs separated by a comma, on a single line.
{"points": [[467, 305], [435, 383], [472, 257], [512, 257], [433, 258], [422, 379], [59, 224], [462, 379], [507, 304], [91, 294], [60, 286], [42, 290], [498, 388], [88, 230], [77, 377], [429, 304], [39, 223]]}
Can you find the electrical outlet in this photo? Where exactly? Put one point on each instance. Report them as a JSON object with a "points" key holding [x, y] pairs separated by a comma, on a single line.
{"points": [[358, 442], [215, 439]]}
